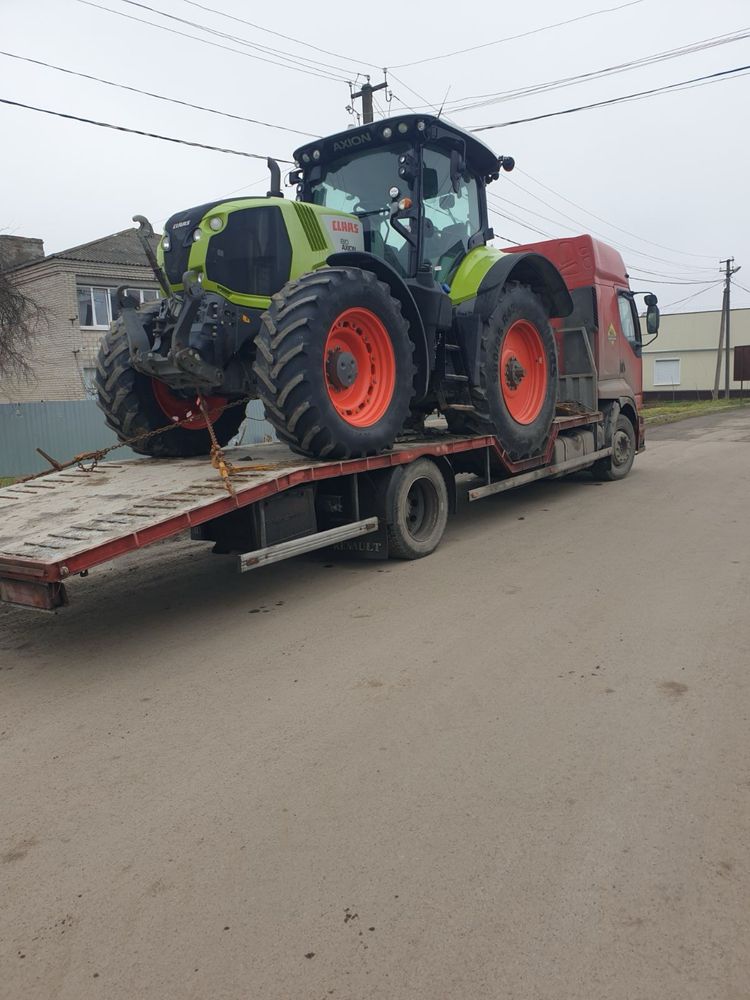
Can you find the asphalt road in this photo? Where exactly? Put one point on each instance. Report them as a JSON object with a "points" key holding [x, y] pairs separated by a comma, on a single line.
{"points": [[516, 769]]}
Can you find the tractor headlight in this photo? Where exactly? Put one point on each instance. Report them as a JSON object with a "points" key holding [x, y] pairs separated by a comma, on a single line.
{"points": [[403, 128], [387, 132], [215, 223], [197, 235], [316, 154]]}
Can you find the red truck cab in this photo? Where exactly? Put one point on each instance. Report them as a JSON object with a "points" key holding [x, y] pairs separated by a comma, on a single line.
{"points": [[604, 307]]}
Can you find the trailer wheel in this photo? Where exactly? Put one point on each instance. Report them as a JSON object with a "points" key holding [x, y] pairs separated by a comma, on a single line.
{"points": [[416, 510], [135, 404], [517, 391], [620, 462]]}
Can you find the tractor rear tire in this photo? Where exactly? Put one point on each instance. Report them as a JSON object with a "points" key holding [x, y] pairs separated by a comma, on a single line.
{"points": [[334, 364], [131, 406], [517, 392]]}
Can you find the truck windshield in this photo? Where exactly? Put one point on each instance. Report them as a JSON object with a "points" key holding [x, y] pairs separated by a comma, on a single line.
{"points": [[360, 184]]}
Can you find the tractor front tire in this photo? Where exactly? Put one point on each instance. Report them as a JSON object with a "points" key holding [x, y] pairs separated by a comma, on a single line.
{"points": [[135, 404], [334, 364], [517, 392]]}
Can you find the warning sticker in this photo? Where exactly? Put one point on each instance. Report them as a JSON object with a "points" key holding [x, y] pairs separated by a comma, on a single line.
{"points": [[611, 333]]}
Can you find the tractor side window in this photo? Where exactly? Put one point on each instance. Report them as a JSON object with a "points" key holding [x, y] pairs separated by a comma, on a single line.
{"points": [[450, 218], [359, 184], [631, 328]]}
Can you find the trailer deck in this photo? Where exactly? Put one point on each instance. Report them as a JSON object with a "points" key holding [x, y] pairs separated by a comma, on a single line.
{"points": [[69, 521]]}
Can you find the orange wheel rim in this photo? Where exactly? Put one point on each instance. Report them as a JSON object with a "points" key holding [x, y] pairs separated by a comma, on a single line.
{"points": [[359, 366], [523, 372], [179, 408]]}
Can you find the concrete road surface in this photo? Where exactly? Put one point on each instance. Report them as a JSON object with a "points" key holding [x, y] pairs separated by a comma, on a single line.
{"points": [[516, 769]]}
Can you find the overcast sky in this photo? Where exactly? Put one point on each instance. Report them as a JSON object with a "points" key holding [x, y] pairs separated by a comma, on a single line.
{"points": [[672, 169]]}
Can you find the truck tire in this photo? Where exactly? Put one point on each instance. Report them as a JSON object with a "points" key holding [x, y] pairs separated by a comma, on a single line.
{"points": [[517, 392], [134, 404], [620, 462], [416, 510], [334, 364]]}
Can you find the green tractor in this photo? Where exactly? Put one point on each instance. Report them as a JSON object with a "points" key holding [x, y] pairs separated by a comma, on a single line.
{"points": [[354, 312]]}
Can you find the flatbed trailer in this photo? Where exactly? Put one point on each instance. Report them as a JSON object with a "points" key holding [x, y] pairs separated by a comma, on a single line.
{"points": [[69, 521]]}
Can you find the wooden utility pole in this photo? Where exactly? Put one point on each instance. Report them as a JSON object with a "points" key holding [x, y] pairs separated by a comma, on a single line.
{"points": [[717, 374], [366, 92], [728, 272]]}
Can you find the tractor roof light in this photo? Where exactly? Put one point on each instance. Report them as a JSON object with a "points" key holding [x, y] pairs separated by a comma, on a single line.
{"points": [[166, 243], [387, 132], [305, 157], [197, 235], [316, 154], [404, 204], [421, 126], [403, 128], [215, 223]]}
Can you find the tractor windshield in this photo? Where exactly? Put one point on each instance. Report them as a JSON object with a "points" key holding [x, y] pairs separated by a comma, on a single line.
{"points": [[360, 184]]}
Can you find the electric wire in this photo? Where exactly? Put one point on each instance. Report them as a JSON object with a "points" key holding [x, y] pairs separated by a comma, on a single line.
{"points": [[523, 34], [414, 92], [208, 41], [269, 50], [593, 215], [135, 131], [738, 285], [484, 100], [278, 34], [158, 97], [696, 81], [687, 298], [581, 227]]}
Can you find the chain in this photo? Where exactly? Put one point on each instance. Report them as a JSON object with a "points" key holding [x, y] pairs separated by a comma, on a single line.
{"points": [[94, 457]]}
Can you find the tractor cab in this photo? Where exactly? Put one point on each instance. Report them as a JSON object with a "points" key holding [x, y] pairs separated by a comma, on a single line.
{"points": [[415, 183]]}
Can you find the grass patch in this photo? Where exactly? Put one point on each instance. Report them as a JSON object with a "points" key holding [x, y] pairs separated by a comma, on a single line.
{"points": [[668, 413], [6, 481]]}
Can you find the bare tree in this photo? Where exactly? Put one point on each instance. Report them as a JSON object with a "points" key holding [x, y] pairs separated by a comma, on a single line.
{"points": [[20, 318]]}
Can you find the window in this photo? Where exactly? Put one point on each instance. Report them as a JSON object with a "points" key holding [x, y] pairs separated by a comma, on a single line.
{"points": [[89, 381], [631, 327], [450, 218], [666, 371], [98, 306]]}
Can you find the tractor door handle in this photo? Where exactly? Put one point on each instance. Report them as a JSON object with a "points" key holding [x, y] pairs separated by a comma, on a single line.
{"points": [[622, 366]]}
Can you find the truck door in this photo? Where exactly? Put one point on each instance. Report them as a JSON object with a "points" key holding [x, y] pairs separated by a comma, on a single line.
{"points": [[631, 366]]}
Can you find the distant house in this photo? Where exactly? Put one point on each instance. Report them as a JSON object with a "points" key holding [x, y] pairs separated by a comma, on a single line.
{"points": [[76, 288], [681, 362]]}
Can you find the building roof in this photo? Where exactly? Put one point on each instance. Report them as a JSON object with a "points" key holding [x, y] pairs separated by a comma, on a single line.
{"points": [[118, 248]]}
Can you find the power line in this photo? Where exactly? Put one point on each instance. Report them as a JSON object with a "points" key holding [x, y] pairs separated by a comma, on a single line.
{"points": [[497, 97], [738, 285], [639, 95], [582, 227], [323, 75], [289, 56], [135, 131], [148, 93], [695, 295], [412, 91], [523, 34], [587, 211], [278, 34]]}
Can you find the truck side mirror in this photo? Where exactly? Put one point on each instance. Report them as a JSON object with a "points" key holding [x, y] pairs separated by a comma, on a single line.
{"points": [[652, 315]]}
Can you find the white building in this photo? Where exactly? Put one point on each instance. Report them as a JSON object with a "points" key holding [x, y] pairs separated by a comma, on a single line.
{"points": [[681, 362]]}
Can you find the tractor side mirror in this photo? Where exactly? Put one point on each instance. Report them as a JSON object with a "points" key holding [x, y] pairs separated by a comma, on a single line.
{"points": [[652, 315], [457, 168]]}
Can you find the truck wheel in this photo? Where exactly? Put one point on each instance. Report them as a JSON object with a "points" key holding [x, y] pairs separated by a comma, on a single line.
{"points": [[417, 510], [620, 462], [334, 364], [517, 391], [135, 404]]}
